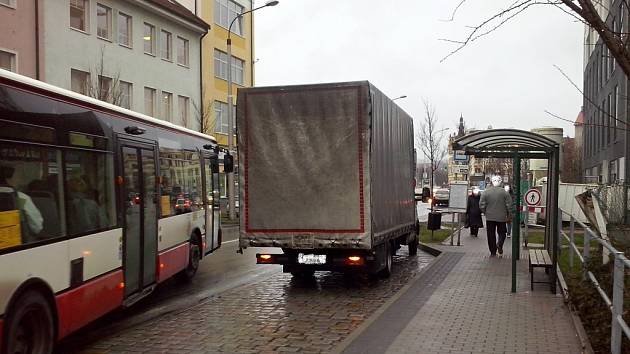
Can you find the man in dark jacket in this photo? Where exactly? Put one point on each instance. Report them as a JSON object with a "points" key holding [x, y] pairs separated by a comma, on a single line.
{"points": [[473, 213], [495, 204]]}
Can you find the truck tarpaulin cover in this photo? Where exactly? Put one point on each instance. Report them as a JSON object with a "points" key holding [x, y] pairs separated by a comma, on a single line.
{"points": [[323, 166]]}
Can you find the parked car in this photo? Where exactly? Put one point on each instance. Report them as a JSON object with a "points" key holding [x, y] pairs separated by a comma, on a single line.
{"points": [[440, 197]]}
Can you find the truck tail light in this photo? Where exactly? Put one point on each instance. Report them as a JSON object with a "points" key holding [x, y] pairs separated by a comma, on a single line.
{"points": [[355, 260], [264, 258]]}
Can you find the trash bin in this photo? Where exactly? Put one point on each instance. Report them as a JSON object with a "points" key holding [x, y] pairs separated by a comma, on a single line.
{"points": [[435, 220]]}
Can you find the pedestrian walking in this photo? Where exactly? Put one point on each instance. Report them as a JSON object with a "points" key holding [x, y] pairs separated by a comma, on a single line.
{"points": [[495, 203], [509, 189], [473, 212]]}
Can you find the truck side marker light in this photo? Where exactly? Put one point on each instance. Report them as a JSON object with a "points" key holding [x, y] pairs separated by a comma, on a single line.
{"points": [[265, 256], [162, 265], [121, 285], [354, 258]]}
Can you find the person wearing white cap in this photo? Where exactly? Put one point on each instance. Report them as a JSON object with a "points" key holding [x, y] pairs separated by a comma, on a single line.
{"points": [[495, 204]]}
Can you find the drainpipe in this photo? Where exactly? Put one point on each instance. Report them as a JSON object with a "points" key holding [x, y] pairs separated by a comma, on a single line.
{"points": [[37, 39], [201, 108], [251, 43]]}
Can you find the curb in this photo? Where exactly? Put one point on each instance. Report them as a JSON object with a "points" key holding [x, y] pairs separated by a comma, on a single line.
{"points": [[339, 348], [575, 317], [430, 250]]}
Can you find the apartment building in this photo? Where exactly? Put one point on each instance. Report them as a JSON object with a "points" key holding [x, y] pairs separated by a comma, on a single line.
{"points": [[605, 135], [220, 13], [144, 55], [19, 37]]}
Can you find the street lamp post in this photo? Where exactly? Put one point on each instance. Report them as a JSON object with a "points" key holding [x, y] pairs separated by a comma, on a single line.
{"points": [[433, 168], [230, 175], [399, 97]]}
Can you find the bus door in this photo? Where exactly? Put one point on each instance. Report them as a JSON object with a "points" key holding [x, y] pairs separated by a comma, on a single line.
{"points": [[213, 217], [139, 196]]}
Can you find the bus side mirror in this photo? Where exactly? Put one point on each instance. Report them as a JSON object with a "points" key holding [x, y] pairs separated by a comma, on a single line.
{"points": [[214, 164], [228, 163]]}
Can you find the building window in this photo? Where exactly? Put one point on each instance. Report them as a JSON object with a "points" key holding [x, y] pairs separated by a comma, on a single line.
{"points": [[149, 39], [166, 45], [167, 106], [126, 89], [8, 61], [220, 67], [221, 117], [9, 3], [103, 22], [237, 70], [182, 51], [225, 11], [609, 118], [79, 81], [615, 107], [220, 64], [105, 88], [183, 104], [79, 14], [149, 101], [124, 29], [602, 125], [613, 171]]}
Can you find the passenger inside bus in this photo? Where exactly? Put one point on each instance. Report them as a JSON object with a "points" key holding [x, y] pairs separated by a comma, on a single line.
{"points": [[85, 212], [12, 199], [46, 201]]}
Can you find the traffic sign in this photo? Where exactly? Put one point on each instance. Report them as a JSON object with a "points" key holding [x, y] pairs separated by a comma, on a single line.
{"points": [[532, 197]]}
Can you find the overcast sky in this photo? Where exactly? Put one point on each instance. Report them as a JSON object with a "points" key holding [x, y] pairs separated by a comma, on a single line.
{"points": [[506, 79]]}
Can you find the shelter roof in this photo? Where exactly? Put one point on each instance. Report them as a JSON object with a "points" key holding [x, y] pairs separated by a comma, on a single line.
{"points": [[504, 140]]}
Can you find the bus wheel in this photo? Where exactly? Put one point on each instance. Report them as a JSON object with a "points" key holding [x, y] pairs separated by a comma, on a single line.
{"points": [[30, 327], [194, 256]]}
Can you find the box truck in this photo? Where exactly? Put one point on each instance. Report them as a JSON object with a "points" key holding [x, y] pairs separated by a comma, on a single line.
{"points": [[326, 173]]}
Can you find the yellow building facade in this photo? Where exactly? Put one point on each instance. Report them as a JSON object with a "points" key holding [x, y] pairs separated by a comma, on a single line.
{"points": [[219, 14]]}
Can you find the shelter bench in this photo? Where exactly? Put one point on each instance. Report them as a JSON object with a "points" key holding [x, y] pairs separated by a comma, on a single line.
{"points": [[539, 259]]}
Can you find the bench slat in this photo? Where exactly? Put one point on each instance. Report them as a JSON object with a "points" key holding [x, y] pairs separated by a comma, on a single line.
{"points": [[540, 258], [546, 257]]}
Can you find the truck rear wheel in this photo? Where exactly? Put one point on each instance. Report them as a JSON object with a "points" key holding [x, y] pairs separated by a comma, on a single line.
{"points": [[389, 260], [30, 326], [413, 246]]}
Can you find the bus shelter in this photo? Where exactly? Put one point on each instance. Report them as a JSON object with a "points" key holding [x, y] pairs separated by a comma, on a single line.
{"points": [[521, 144]]}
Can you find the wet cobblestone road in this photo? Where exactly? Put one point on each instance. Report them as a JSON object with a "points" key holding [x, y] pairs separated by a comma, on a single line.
{"points": [[279, 314]]}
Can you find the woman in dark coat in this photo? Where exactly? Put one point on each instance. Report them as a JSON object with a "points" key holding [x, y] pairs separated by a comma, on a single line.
{"points": [[473, 212]]}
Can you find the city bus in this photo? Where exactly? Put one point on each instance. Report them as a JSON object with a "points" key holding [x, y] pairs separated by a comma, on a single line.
{"points": [[98, 205]]}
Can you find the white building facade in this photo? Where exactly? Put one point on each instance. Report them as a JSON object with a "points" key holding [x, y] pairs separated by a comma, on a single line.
{"points": [[144, 55]]}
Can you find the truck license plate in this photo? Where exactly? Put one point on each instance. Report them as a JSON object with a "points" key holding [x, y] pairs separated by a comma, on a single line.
{"points": [[311, 258]]}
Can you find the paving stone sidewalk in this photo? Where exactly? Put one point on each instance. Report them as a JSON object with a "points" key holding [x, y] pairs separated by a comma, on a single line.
{"points": [[471, 309]]}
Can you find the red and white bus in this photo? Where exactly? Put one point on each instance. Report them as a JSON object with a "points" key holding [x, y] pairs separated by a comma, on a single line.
{"points": [[98, 205]]}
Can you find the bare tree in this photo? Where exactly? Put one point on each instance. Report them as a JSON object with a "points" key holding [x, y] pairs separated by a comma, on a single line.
{"points": [[572, 161], [430, 140], [204, 115], [103, 87], [586, 11]]}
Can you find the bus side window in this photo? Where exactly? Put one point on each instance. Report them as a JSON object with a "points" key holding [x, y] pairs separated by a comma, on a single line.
{"points": [[90, 194], [30, 209]]}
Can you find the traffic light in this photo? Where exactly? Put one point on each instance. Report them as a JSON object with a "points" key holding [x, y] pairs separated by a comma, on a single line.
{"points": [[228, 163]]}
